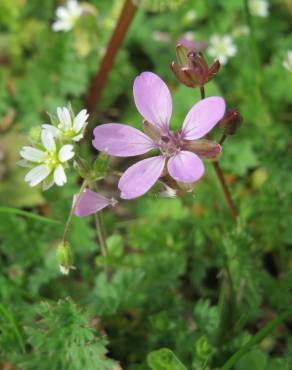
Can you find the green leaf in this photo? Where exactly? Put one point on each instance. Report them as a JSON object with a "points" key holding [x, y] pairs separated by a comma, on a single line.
{"points": [[31, 215], [164, 359]]}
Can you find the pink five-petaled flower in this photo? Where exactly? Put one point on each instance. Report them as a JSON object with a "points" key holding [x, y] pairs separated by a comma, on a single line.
{"points": [[153, 101], [91, 202]]}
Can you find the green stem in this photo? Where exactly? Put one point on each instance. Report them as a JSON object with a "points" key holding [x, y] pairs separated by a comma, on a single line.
{"points": [[31, 215], [256, 339], [72, 211], [221, 178], [8, 316], [100, 234], [100, 229]]}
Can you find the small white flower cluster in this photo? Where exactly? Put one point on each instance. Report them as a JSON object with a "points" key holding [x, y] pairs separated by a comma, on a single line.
{"points": [[49, 156], [221, 48], [258, 8], [287, 63], [67, 16]]}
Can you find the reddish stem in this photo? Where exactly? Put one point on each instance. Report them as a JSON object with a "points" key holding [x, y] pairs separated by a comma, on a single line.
{"points": [[127, 14], [225, 189], [221, 177]]}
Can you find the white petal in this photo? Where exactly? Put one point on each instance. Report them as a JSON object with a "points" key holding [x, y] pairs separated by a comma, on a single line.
{"points": [[61, 12], [24, 163], [32, 154], [80, 120], [74, 8], [60, 176], [66, 153], [48, 141], [37, 174], [64, 118], [52, 129], [77, 137], [61, 26]]}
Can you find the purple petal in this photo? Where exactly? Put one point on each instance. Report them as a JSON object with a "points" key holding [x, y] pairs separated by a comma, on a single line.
{"points": [[91, 202], [202, 117], [140, 177], [121, 140], [192, 45], [153, 99], [185, 167]]}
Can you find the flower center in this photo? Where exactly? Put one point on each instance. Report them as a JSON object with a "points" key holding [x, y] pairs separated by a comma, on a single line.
{"points": [[52, 159], [169, 145], [69, 133]]}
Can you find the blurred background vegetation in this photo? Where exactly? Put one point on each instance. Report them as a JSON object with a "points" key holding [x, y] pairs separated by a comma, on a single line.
{"points": [[182, 276]]}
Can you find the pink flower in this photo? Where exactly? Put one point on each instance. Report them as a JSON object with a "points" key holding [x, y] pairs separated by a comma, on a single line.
{"points": [[153, 101], [91, 202]]}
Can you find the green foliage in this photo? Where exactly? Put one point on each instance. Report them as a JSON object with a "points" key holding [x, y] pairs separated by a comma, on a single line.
{"points": [[164, 359], [182, 287], [63, 330]]}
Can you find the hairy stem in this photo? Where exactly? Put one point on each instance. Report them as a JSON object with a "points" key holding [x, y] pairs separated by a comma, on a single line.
{"points": [[101, 234], [225, 189], [120, 31], [256, 339], [221, 177], [72, 211], [202, 91], [100, 229]]}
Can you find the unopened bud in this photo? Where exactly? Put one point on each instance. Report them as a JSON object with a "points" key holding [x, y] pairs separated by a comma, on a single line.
{"points": [[231, 122], [35, 134], [65, 258], [203, 148], [100, 166], [83, 167], [152, 131]]}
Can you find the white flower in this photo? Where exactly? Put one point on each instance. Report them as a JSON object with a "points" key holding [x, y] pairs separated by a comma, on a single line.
{"points": [[287, 63], [258, 8], [67, 16], [47, 162], [221, 48], [68, 128]]}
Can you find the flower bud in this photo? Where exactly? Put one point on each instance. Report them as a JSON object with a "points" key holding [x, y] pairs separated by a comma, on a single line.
{"points": [[192, 69], [231, 122], [83, 167], [100, 166], [65, 258], [35, 134]]}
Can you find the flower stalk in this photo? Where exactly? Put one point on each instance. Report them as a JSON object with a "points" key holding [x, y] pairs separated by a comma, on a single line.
{"points": [[72, 211], [127, 14], [221, 178]]}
